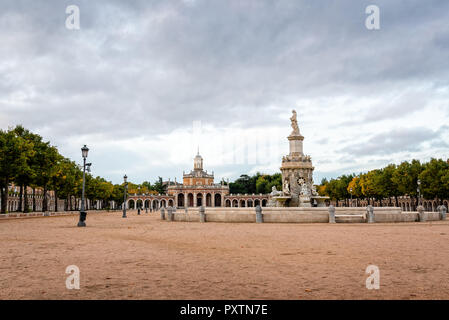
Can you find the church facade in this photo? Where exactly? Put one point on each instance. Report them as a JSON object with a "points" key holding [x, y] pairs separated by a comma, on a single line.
{"points": [[197, 189]]}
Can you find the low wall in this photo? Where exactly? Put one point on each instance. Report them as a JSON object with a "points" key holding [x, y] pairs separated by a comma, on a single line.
{"points": [[301, 215], [406, 216], [23, 215]]}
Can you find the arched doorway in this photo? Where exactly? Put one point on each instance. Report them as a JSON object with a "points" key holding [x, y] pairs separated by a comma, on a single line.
{"points": [[170, 203], [256, 202], [131, 204], [190, 200], [242, 203], [199, 199], [235, 203], [228, 203], [208, 200], [264, 202], [218, 200], [250, 203], [181, 200], [147, 204], [155, 204], [163, 203], [139, 204]]}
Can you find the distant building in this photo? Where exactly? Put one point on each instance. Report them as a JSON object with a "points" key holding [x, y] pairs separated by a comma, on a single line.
{"points": [[198, 188]]}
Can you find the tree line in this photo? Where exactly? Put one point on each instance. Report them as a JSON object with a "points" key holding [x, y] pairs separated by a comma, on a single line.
{"points": [[27, 161], [258, 183], [392, 182]]}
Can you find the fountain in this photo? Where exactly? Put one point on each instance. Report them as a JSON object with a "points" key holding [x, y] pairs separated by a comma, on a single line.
{"points": [[297, 175]]}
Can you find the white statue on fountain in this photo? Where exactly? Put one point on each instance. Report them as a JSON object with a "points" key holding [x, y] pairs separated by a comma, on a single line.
{"points": [[286, 187], [275, 192], [295, 127]]}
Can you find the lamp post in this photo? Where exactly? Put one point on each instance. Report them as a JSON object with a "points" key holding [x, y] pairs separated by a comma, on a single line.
{"points": [[419, 192], [138, 206], [124, 196], [350, 191], [81, 223]]}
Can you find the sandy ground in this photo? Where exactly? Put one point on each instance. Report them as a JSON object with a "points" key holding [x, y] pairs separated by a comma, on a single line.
{"points": [[142, 257]]}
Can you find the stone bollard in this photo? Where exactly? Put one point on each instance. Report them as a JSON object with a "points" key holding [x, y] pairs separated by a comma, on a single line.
{"points": [[259, 216], [442, 210], [171, 215], [162, 214], [331, 214], [202, 214], [370, 214], [421, 214]]}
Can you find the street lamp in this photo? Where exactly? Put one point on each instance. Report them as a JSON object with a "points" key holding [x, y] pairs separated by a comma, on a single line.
{"points": [[419, 192], [350, 191], [138, 207], [125, 178], [83, 213]]}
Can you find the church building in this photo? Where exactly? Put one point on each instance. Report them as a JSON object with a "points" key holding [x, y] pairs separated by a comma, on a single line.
{"points": [[198, 189]]}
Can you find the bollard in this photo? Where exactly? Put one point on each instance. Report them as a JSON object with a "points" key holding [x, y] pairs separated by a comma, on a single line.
{"points": [[162, 214], [202, 214], [370, 214], [138, 211], [259, 216], [442, 210], [331, 214], [421, 214], [186, 211], [171, 215]]}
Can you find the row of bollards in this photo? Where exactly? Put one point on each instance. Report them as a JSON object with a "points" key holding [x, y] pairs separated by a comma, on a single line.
{"points": [[370, 213], [170, 213], [202, 213]]}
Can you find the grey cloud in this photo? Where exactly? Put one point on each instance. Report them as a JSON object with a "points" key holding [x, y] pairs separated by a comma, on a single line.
{"points": [[393, 141], [211, 59], [145, 68]]}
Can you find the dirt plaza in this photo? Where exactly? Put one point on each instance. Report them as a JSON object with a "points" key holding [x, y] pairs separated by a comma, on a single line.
{"points": [[142, 257]]}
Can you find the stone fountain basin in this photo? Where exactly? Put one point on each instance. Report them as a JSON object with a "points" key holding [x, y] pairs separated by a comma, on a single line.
{"points": [[282, 199]]}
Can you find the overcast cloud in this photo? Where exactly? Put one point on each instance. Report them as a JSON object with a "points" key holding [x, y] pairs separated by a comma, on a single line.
{"points": [[137, 77]]}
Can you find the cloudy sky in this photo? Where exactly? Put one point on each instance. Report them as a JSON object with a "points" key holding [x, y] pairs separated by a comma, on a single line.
{"points": [[144, 83]]}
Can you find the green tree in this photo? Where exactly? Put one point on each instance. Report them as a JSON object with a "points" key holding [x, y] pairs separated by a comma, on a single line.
{"points": [[386, 185], [14, 155], [406, 178], [159, 186], [434, 180], [47, 158]]}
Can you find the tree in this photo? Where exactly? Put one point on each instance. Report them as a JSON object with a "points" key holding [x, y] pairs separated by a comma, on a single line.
{"points": [[47, 158], [14, 154], [159, 186], [386, 185], [261, 184], [368, 183], [434, 179], [406, 178], [67, 181]]}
